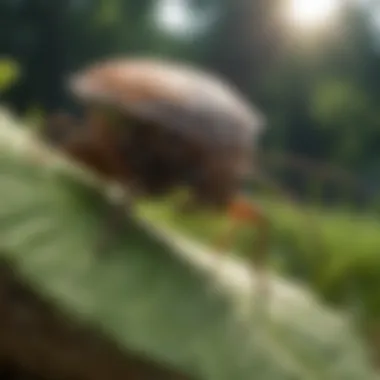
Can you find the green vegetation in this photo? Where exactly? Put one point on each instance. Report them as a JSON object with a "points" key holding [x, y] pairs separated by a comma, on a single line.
{"points": [[320, 93], [333, 251], [154, 292], [9, 73]]}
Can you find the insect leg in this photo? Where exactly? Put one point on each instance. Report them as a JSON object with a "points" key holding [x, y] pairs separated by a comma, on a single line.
{"points": [[243, 211]]}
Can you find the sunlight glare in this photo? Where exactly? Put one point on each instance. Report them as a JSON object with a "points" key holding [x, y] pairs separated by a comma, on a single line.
{"points": [[174, 16], [312, 13]]}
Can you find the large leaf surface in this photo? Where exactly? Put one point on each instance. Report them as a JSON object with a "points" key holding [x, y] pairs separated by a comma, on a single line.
{"points": [[153, 291]]}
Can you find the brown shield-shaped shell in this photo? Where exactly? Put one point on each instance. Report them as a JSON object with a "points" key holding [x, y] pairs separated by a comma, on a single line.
{"points": [[174, 96]]}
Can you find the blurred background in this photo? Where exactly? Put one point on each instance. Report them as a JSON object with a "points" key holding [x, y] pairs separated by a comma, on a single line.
{"points": [[313, 68]]}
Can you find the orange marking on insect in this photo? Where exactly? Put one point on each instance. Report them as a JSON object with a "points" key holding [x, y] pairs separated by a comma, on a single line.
{"points": [[242, 209]]}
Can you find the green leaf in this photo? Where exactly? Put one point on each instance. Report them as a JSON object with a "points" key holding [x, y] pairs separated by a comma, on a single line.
{"points": [[9, 73], [155, 292]]}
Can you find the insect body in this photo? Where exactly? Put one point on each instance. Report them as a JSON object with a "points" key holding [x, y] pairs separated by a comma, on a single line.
{"points": [[154, 126]]}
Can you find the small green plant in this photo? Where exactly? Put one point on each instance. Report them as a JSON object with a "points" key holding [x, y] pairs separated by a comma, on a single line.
{"points": [[10, 72]]}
